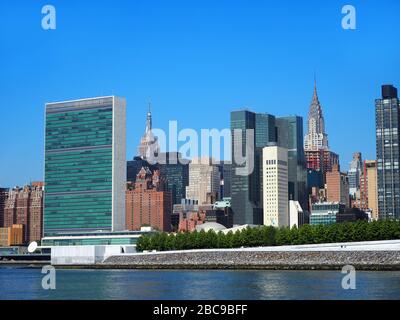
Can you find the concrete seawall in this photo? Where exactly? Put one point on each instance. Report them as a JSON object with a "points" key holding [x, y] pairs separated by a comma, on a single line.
{"points": [[295, 260]]}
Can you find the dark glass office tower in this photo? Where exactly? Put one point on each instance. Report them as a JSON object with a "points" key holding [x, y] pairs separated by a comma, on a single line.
{"points": [[134, 166], [246, 191], [226, 179], [387, 153], [172, 168], [176, 173], [290, 136]]}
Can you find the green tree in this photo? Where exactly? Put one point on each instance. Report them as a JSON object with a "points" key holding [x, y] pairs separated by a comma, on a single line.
{"points": [[305, 235], [170, 242], [268, 235], [237, 239], [283, 236], [229, 239], [221, 241], [294, 236], [201, 240], [211, 239], [143, 243]]}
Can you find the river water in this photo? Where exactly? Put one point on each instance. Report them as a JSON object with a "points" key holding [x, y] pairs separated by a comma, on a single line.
{"points": [[26, 283]]}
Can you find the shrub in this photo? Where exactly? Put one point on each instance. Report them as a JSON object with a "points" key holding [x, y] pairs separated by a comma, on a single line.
{"points": [[270, 236]]}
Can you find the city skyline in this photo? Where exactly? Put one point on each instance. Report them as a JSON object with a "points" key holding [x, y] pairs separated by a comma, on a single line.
{"points": [[195, 80], [199, 152], [345, 165]]}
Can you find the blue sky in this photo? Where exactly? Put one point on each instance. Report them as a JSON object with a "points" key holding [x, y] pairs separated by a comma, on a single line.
{"points": [[197, 60]]}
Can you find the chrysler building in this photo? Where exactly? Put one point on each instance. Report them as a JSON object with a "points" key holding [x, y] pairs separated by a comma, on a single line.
{"points": [[316, 138]]}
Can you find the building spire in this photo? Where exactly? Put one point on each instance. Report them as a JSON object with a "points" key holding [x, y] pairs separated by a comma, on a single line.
{"points": [[148, 147], [316, 137], [149, 119], [315, 94]]}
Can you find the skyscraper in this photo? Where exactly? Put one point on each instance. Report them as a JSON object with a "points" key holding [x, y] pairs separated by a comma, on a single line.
{"points": [[148, 147], [147, 203], [175, 170], [85, 166], [36, 212], [275, 186], [387, 153], [368, 188], [246, 190], [372, 179], [290, 136], [10, 207], [3, 197], [316, 138], [316, 146], [337, 186], [225, 168], [354, 174], [204, 180]]}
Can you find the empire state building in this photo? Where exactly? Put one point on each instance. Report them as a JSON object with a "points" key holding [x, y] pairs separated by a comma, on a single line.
{"points": [[148, 148]]}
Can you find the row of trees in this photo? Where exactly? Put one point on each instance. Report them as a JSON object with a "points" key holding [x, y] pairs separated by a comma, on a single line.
{"points": [[270, 236]]}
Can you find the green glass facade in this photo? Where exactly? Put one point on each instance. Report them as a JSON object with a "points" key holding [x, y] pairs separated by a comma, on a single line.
{"points": [[89, 242], [323, 219], [79, 166], [325, 213]]}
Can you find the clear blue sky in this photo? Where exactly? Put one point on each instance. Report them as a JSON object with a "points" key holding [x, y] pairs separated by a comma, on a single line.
{"points": [[197, 60]]}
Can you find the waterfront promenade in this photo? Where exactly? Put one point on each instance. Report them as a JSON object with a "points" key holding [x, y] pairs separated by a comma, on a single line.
{"points": [[373, 255]]}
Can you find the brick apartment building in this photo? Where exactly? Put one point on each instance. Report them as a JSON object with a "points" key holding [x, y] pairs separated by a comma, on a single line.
{"points": [[24, 206], [337, 186], [147, 202], [3, 197]]}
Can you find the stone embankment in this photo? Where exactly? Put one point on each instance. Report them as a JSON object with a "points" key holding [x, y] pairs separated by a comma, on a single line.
{"points": [[301, 260]]}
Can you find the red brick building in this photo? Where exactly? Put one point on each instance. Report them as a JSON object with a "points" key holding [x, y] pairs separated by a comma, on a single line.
{"points": [[10, 207], [3, 197], [22, 210], [321, 160], [337, 186], [24, 206], [191, 220], [147, 203], [36, 212]]}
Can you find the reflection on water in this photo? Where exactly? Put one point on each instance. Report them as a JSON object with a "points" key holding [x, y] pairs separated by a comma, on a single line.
{"points": [[24, 283]]}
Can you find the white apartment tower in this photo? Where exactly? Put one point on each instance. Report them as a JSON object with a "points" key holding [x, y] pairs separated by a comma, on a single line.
{"points": [[275, 186]]}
